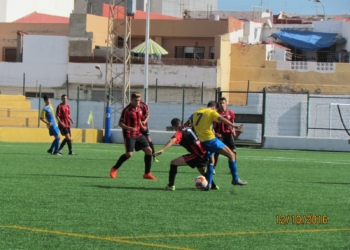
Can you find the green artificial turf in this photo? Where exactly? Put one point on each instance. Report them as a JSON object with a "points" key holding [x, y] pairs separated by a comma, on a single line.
{"points": [[70, 202]]}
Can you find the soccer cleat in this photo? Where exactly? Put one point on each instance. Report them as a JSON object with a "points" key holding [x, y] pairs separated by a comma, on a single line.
{"points": [[239, 182], [50, 151], [149, 176], [113, 173], [72, 153], [207, 188], [60, 152], [169, 188], [155, 159], [57, 153], [215, 188]]}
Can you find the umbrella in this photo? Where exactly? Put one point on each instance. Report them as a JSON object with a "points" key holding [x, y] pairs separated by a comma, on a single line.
{"points": [[153, 48]]}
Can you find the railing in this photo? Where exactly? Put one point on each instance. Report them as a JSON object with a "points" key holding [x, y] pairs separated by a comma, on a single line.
{"points": [[152, 61]]}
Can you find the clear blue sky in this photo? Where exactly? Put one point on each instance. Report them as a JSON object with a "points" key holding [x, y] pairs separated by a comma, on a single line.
{"points": [[331, 7]]}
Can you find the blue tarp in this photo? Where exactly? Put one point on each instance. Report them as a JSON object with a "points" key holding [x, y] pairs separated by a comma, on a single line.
{"points": [[306, 40]]}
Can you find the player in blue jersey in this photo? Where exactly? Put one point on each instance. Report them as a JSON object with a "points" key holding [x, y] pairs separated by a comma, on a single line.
{"points": [[48, 117], [202, 122]]}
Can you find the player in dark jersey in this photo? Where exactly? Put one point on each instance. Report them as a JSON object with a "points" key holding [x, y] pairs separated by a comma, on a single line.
{"points": [[145, 129], [197, 157], [64, 120], [224, 132], [130, 121]]}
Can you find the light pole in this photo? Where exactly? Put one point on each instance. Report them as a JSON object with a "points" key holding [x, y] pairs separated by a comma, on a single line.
{"points": [[99, 69], [324, 12]]}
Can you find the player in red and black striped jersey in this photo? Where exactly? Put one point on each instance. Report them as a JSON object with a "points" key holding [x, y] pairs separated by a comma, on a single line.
{"points": [[197, 157], [145, 129], [130, 122], [224, 132], [64, 120]]}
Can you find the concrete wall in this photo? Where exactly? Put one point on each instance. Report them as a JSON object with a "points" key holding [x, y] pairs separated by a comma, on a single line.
{"points": [[45, 49], [10, 134], [54, 75], [161, 114], [11, 10]]}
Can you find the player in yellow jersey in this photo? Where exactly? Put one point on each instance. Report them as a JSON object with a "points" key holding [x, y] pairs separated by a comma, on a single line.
{"points": [[202, 122]]}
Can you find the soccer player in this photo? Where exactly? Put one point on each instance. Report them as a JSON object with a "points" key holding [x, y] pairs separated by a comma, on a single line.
{"points": [[203, 120], [224, 132], [47, 116], [197, 157], [64, 119], [130, 122], [144, 128]]}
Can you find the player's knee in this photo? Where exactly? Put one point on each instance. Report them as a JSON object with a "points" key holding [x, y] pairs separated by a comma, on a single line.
{"points": [[148, 151], [128, 154]]}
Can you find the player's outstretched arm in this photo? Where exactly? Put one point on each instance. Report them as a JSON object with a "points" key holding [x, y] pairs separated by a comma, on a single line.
{"points": [[168, 145], [227, 122]]}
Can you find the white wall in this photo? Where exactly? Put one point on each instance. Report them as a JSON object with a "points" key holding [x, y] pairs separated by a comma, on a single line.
{"points": [[45, 49], [16, 9]]}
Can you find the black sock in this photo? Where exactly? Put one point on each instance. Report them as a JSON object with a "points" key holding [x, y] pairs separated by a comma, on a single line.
{"points": [[152, 147], [120, 161], [69, 143], [172, 175], [148, 163], [63, 144]]}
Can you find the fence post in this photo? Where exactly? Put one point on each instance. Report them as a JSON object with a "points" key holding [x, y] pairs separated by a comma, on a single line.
{"points": [[246, 102], [218, 94], [78, 99], [264, 117], [67, 84], [39, 106], [156, 98], [24, 84], [308, 113], [202, 93], [183, 104]]}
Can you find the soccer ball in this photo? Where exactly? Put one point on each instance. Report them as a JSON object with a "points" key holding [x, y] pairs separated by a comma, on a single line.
{"points": [[200, 182]]}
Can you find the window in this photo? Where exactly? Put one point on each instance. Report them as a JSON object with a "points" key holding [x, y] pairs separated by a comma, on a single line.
{"points": [[179, 52], [194, 52], [211, 52], [94, 9], [10, 54]]}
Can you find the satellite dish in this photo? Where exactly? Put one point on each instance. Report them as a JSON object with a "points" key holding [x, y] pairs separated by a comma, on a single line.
{"points": [[269, 23]]}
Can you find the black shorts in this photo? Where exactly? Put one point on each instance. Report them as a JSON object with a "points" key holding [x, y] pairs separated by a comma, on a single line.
{"points": [[228, 140], [195, 161], [136, 143], [64, 131], [145, 132]]}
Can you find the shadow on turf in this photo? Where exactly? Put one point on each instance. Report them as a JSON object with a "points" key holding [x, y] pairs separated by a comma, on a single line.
{"points": [[341, 183], [140, 188], [74, 176]]}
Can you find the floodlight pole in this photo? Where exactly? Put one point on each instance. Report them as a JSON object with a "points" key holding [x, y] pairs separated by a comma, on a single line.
{"points": [[146, 52]]}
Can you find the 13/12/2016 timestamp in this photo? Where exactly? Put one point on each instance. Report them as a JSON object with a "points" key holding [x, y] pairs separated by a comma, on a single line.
{"points": [[301, 219]]}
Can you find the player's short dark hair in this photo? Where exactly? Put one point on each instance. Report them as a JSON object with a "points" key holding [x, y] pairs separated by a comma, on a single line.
{"points": [[64, 95], [223, 99], [176, 122], [135, 95], [212, 104], [45, 97]]}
